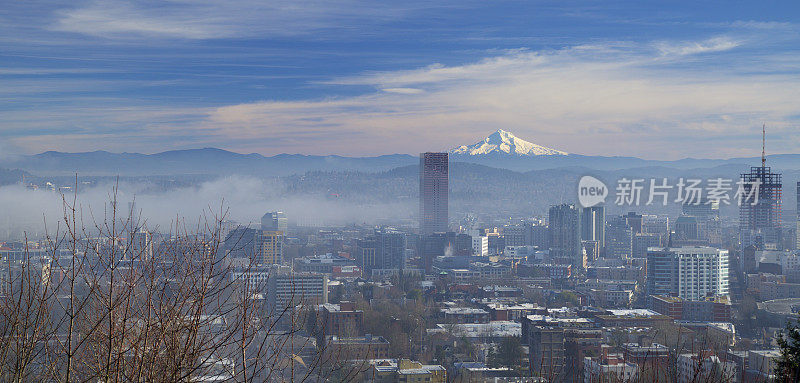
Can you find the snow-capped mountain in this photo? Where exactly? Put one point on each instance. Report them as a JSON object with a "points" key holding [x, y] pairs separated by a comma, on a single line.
{"points": [[502, 141]]}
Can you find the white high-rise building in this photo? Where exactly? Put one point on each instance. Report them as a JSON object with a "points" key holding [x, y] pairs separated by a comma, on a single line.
{"points": [[691, 273]]}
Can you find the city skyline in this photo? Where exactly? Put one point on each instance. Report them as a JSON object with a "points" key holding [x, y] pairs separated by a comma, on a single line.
{"points": [[385, 192]]}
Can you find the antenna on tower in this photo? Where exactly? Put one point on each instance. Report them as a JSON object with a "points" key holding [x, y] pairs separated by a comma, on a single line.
{"points": [[763, 145]]}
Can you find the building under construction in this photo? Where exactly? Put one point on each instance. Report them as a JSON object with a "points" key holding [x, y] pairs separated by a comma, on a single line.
{"points": [[760, 206]]}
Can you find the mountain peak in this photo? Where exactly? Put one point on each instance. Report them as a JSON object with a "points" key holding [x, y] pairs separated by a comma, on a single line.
{"points": [[506, 142]]}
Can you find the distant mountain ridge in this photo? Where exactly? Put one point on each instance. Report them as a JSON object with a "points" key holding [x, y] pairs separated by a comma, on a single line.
{"points": [[198, 161], [500, 150]]}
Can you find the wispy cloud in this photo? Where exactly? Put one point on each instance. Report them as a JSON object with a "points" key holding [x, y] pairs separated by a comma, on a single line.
{"points": [[717, 44], [207, 19], [359, 77], [614, 99]]}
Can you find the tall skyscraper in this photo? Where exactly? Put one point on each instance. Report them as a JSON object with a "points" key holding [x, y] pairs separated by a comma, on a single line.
{"points": [[518, 235], [634, 221], [435, 245], [760, 208], [656, 225], [271, 237], [565, 238], [797, 232], [142, 246], [391, 249], [619, 238], [433, 192], [275, 221], [259, 247], [708, 219], [385, 248], [271, 247], [593, 224], [367, 251], [691, 273]]}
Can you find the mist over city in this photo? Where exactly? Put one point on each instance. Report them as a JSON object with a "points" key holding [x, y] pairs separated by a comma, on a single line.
{"points": [[441, 191]]}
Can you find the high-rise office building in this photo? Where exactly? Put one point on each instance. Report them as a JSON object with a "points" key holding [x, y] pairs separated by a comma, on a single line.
{"points": [[656, 225], [275, 221], [433, 193], [256, 247], [463, 245], [565, 238], [391, 249], [383, 249], [797, 232], [435, 245], [644, 241], [540, 236], [691, 273], [289, 289], [634, 221], [367, 254], [271, 237], [142, 244], [518, 234], [708, 219], [619, 238], [760, 206], [593, 224], [242, 243], [271, 247], [687, 228]]}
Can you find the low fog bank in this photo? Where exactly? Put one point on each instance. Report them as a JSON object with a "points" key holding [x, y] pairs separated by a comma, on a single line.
{"points": [[245, 199]]}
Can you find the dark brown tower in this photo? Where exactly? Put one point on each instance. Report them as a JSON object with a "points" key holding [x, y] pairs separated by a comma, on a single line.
{"points": [[433, 192]]}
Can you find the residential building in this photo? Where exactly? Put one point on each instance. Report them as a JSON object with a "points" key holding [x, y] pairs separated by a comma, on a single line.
{"points": [[480, 246], [692, 273]]}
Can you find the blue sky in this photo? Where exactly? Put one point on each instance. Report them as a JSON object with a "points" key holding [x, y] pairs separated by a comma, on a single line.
{"points": [[659, 79]]}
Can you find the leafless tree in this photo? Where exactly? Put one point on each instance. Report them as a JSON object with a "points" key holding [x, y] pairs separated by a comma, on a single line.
{"points": [[106, 302]]}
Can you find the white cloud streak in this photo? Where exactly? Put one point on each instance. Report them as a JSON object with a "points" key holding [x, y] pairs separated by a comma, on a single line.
{"points": [[613, 99], [659, 100], [209, 19]]}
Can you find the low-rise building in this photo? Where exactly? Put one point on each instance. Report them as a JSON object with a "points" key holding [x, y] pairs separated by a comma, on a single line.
{"points": [[609, 368], [405, 370], [761, 365], [323, 264], [711, 309], [356, 348], [465, 315], [705, 367], [653, 357]]}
